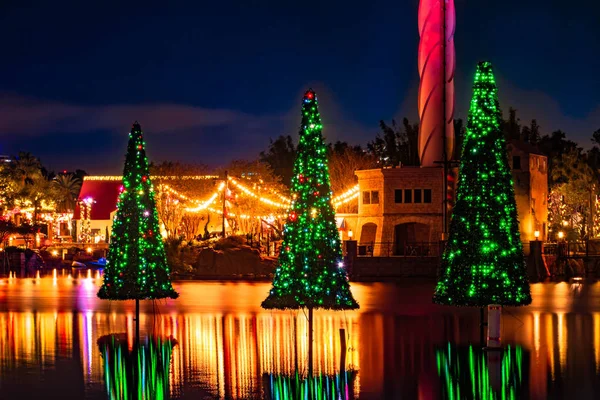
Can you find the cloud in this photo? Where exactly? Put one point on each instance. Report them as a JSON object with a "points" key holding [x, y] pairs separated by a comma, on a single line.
{"points": [[33, 117], [93, 137]]}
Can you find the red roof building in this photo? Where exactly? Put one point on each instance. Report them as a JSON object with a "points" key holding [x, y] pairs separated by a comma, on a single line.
{"points": [[103, 193]]}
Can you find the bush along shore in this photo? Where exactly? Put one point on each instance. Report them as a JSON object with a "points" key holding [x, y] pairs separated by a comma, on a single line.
{"points": [[229, 258]]}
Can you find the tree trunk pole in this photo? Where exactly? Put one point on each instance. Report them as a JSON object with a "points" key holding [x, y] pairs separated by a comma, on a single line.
{"points": [[296, 345], [482, 327], [136, 352], [225, 202], [310, 342], [137, 322], [342, 350]]}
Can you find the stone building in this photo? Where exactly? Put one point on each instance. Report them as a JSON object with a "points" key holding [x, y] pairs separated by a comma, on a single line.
{"points": [[530, 177], [400, 209]]}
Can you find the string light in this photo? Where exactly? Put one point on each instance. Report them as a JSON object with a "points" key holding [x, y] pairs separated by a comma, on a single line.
{"points": [[308, 273], [158, 177], [206, 204], [346, 197], [265, 200], [483, 262]]}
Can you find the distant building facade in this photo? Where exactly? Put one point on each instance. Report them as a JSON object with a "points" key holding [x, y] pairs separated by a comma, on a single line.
{"points": [[530, 177], [400, 209]]}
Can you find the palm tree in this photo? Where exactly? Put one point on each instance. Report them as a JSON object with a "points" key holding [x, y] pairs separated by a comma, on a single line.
{"points": [[26, 168], [67, 188]]}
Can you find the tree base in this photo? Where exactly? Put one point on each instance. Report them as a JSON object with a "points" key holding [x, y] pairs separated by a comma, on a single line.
{"points": [[292, 303]]}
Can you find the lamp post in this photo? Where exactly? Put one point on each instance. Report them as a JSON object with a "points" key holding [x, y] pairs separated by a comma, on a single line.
{"points": [[225, 202]]}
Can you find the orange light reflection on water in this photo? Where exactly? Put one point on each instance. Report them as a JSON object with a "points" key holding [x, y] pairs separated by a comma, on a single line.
{"points": [[226, 342]]}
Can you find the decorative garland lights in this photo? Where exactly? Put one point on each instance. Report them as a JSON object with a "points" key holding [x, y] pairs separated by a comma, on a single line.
{"points": [[85, 211], [265, 200], [158, 177], [202, 205], [351, 194], [205, 204]]}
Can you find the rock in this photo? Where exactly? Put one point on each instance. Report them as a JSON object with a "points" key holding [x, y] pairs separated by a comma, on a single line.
{"points": [[233, 262]]}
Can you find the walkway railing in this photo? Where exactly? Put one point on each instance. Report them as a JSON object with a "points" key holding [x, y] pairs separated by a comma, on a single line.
{"points": [[405, 249]]}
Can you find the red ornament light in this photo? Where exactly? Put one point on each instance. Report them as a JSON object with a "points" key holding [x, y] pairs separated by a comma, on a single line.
{"points": [[139, 146], [309, 95], [144, 178]]}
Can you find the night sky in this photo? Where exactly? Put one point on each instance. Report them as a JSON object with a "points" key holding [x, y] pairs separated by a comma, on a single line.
{"points": [[213, 81]]}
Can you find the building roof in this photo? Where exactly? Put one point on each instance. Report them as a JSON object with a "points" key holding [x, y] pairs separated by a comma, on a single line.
{"points": [[525, 147], [104, 193]]}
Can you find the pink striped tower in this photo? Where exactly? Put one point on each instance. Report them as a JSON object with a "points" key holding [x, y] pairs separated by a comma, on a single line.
{"points": [[436, 54]]}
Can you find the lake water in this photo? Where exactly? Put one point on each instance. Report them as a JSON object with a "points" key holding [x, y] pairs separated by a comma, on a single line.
{"points": [[398, 345]]}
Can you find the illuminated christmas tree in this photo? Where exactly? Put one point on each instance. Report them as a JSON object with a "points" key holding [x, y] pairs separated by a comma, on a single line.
{"points": [[483, 262], [310, 273], [136, 265]]}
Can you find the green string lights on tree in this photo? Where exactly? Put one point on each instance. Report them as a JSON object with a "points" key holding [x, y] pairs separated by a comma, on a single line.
{"points": [[136, 264], [310, 273], [483, 262]]}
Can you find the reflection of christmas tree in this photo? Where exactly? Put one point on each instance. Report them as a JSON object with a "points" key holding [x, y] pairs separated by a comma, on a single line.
{"points": [[138, 374], [483, 261], [310, 273], [474, 374], [136, 265], [322, 387]]}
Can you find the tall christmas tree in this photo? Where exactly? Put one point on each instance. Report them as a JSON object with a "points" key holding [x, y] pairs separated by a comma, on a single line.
{"points": [[310, 273], [483, 262], [136, 265]]}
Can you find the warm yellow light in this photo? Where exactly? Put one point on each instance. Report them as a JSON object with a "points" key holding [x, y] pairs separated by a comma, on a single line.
{"points": [[54, 253], [561, 235], [565, 223], [350, 233], [89, 249], [168, 178], [536, 234]]}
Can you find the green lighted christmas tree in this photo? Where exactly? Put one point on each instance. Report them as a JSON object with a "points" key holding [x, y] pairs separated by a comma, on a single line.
{"points": [[136, 265], [310, 273], [483, 262]]}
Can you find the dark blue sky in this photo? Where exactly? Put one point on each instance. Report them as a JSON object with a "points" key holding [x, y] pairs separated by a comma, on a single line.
{"points": [[212, 81]]}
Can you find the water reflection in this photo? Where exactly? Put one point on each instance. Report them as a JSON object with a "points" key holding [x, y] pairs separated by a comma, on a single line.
{"points": [[228, 346], [322, 387], [471, 373], [138, 373]]}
